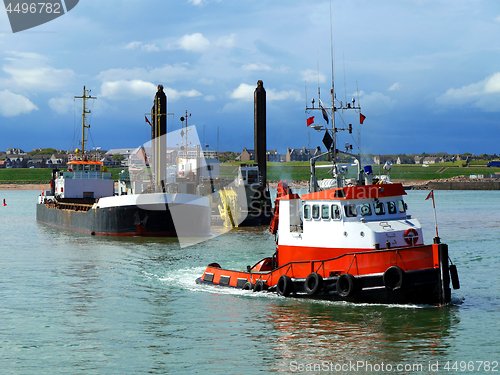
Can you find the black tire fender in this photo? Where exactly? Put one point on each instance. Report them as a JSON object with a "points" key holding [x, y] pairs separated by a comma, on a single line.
{"points": [[454, 277], [284, 286], [394, 278], [259, 286], [313, 283], [346, 285]]}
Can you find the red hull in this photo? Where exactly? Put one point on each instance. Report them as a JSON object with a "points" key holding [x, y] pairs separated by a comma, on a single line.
{"points": [[418, 274]]}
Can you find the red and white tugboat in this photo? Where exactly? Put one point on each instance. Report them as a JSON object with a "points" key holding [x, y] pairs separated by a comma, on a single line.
{"points": [[352, 241]]}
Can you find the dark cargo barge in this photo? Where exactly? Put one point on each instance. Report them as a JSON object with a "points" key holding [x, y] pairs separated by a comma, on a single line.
{"points": [[83, 197]]}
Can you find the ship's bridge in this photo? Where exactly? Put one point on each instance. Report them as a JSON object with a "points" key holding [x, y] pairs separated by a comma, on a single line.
{"points": [[355, 217], [84, 179], [86, 169]]}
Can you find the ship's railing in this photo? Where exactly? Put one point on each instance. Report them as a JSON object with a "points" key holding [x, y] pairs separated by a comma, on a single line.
{"points": [[297, 267], [87, 175]]}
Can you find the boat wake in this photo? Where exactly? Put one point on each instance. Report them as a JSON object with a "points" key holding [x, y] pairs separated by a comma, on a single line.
{"points": [[184, 279]]}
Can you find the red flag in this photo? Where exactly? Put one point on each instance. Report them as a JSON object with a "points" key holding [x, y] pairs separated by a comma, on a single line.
{"points": [[310, 120], [361, 118], [147, 120], [431, 195]]}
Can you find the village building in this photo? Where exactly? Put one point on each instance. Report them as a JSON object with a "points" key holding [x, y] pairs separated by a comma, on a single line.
{"points": [[273, 156], [246, 155], [14, 151]]}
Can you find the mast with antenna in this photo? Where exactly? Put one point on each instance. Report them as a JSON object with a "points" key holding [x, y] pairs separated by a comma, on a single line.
{"points": [[85, 125], [330, 138]]}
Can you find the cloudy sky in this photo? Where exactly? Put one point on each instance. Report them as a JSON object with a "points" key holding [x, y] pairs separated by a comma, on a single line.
{"points": [[427, 72]]}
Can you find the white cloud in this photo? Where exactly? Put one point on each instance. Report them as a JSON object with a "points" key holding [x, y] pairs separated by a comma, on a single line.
{"points": [[14, 104], [483, 95], [282, 95], [144, 47], [310, 75], [395, 87], [133, 45], [226, 41], [166, 73], [31, 71], [206, 81], [191, 93], [376, 103], [150, 48], [61, 105], [25, 56], [256, 67], [198, 43], [201, 2], [246, 92], [127, 89], [492, 85], [173, 94], [195, 43], [120, 90]]}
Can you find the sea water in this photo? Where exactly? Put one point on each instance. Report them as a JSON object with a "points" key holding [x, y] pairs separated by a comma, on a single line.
{"points": [[74, 303]]}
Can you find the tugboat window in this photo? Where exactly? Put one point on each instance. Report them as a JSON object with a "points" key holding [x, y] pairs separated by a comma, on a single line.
{"points": [[379, 208], [316, 211], [365, 209], [401, 206], [335, 212], [391, 207], [325, 212], [307, 211], [350, 210]]}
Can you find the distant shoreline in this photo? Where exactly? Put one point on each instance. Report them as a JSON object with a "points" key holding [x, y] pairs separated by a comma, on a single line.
{"points": [[24, 186], [455, 183]]}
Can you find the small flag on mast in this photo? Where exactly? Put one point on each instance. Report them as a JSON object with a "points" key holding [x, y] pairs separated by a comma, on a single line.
{"points": [[147, 120], [327, 141], [310, 120], [361, 118], [431, 195], [325, 115]]}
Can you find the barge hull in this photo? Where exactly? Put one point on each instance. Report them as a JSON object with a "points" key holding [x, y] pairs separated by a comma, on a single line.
{"points": [[128, 221]]}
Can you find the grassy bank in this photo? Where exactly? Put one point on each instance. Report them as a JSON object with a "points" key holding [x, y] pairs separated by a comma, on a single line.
{"points": [[36, 175], [297, 171], [300, 171]]}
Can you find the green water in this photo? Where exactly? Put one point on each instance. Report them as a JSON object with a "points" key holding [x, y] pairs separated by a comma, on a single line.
{"points": [[73, 303]]}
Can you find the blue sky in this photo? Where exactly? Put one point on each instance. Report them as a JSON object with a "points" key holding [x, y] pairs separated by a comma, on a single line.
{"points": [[427, 72]]}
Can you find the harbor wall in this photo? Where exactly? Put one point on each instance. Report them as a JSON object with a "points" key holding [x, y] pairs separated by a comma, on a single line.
{"points": [[461, 185]]}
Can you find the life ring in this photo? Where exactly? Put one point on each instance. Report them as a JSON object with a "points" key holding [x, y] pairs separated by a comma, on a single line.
{"points": [[259, 286], [284, 286], [411, 236], [346, 285], [313, 283], [394, 278]]}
